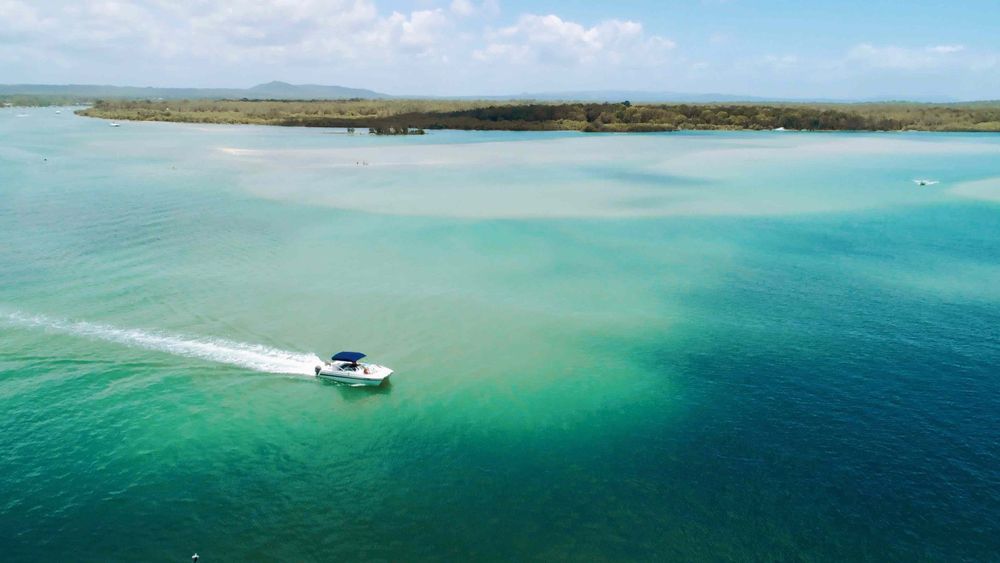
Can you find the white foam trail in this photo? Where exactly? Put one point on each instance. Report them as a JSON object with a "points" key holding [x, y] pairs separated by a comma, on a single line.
{"points": [[251, 356]]}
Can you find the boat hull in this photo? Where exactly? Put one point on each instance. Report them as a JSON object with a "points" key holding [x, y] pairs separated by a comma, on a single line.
{"points": [[375, 377], [353, 380]]}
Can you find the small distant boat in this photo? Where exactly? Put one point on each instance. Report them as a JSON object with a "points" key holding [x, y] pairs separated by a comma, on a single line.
{"points": [[925, 182], [114, 124], [58, 111], [779, 129], [344, 367]]}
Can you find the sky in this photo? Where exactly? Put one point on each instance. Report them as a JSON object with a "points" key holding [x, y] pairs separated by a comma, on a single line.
{"points": [[848, 49]]}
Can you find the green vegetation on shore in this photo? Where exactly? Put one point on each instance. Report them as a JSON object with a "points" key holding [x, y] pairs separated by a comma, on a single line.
{"points": [[31, 100], [397, 116]]}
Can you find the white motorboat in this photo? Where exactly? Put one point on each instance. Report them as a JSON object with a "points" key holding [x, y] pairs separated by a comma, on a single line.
{"points": [[114, 124], [345, 368]]}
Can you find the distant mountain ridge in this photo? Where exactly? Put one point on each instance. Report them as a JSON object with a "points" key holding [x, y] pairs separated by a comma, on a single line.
{"points": [[272, 90], [283, 90], [277, 90]]}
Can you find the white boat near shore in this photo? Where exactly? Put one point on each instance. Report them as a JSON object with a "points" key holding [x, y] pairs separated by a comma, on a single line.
{"points": [[344, 367]]}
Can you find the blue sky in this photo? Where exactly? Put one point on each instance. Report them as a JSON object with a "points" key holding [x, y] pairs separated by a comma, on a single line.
{"points": [[775, 48]]}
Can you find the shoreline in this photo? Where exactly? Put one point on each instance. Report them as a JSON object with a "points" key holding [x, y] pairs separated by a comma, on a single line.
{"points": [[605, 132], [409, 117]]}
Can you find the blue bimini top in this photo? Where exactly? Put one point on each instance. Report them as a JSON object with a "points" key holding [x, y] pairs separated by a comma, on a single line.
{"points": [[347, 357]]}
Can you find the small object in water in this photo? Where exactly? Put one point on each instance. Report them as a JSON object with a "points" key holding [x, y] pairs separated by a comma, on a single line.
{"points": [[114, 124], [920, 182], [194, 558], [344, 368]]}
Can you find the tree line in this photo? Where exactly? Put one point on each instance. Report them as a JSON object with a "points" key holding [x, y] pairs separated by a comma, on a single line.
{"points": [[409, 116]]}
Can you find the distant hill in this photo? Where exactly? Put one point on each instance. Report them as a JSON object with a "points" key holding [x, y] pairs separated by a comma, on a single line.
{"points": [[283, 90], [272, 90], [276, 90]]}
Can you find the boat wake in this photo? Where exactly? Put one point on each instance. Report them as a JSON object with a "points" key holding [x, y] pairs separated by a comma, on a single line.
{"points": [[245, 355]]}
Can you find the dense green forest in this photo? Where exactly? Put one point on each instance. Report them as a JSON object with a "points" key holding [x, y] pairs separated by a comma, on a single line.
{"points": [[406, 115], [32, 100]]}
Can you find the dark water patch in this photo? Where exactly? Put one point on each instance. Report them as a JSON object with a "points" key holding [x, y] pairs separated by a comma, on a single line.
{"points": [[871, 409], [647, 178]]}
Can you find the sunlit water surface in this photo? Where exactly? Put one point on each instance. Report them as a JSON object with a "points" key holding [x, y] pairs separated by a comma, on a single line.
{"points": [[724, 346]]}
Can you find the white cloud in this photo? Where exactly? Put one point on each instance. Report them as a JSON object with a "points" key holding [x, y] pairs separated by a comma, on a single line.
{"points": [[268, 31], [462, 7], [780, 62], [422, 30], [20, 18], [466, 8], [904, 58], [946, 48], [719, 38], [551, 40]]}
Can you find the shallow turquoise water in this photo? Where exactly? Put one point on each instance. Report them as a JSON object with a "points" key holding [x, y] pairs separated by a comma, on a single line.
{"points": [[691, 346]]}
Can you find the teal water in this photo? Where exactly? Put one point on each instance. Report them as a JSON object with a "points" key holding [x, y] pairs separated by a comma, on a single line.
{"points": [[724, 346]]}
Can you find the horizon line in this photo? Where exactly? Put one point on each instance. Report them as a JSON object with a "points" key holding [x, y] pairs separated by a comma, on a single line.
{"points": [[547, 95]]}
